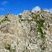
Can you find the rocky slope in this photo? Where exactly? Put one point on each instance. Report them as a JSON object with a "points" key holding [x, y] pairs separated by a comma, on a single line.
{"points": [[28, 32]]}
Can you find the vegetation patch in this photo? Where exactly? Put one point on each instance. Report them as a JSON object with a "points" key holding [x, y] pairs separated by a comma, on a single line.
{"points": [[5, 19], [40, 27]]}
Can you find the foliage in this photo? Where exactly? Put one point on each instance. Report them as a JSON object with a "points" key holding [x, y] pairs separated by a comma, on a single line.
{"points": [[5, 19]]}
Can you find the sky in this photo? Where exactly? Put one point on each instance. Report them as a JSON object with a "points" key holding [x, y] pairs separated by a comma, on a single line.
{"points": [[18, 6]]}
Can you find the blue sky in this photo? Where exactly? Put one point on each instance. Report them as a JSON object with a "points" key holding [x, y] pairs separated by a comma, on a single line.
{"points": [[18, 6]]}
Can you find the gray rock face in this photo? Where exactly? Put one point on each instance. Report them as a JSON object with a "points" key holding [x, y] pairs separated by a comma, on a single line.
{"points": [[29, 32]]}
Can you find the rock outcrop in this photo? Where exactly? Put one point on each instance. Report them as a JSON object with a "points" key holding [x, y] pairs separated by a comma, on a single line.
{"points": [[28, 32]]}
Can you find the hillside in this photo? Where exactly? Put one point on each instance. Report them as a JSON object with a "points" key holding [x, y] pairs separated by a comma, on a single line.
{"points": [[27, 32]]}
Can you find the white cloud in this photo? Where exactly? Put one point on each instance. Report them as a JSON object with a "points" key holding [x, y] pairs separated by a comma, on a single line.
{"points": [[37, 8], [48, 10], [4, 2]]}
